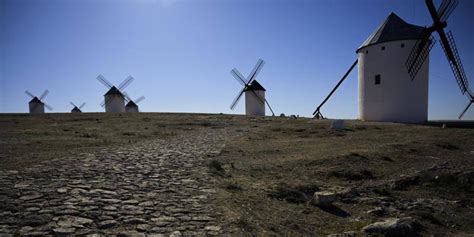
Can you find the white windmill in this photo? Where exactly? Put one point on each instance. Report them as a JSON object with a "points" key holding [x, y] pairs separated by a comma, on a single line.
{"points": [[36, 104], [393, 68], [132, 105], [254, 92], [77, 109], [115, 98]]}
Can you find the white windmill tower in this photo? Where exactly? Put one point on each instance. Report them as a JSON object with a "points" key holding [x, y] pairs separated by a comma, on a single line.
{"points": [[254, 92], [386, 91], [132, 105], [394, 65], [115, 98], [77, 109], [36, 104]]}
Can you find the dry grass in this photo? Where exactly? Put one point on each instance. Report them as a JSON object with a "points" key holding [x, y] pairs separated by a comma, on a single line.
{"points": [[270, 167], [274, 160]]}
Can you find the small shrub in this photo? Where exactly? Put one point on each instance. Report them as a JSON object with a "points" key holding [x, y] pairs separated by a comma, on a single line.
{"points": [[386, 158], [447, 146], [352, 175], [298, 194], [215, 167], [244, 224], [382, 191], [233, 187]]}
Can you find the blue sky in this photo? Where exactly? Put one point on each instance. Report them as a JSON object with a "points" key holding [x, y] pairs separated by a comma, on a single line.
{"points": [[181, 52]]}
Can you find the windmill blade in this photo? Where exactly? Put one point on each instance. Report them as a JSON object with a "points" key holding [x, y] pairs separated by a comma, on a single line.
{"points": [[255, 71], [72, 104], [104, 81], [467, 107], [335, 88], [82, 105], [105, 102], [258, 97], [454, 60], [125, 96], [126, 82], [45, 93], [263, 101], [234, 103], [268, 104], [48, 107], [238, 76], [419, 53], [446, 8], [139, 99], [29, 93]]}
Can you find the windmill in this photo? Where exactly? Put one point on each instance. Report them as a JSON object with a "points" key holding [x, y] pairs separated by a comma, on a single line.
{"points": [[393, 68], [115, 98], [254, 92], [36, 104], [423, 46], [132, 105], [77, 109]]}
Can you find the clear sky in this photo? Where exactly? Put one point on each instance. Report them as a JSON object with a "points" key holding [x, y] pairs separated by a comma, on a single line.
{"points": [[181, 52]]}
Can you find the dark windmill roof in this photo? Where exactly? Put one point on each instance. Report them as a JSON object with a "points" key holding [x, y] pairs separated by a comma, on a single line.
{"points": [[131, 104], [254, 86], [114, 91], [75, 109], [35, 100], [393, 28]]}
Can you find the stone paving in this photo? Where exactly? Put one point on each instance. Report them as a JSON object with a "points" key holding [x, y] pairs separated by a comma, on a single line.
{"points": [[149, 189]]}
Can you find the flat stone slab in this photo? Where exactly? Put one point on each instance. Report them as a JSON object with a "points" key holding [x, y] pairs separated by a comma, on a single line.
{"points": [[155, 187]]}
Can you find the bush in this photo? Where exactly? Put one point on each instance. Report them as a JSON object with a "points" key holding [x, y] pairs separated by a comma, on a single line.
{"points": [[298, 194], [352, 175], [215, 167]]}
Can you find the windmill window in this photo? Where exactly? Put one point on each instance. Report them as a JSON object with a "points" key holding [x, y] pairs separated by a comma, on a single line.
{"points": [[403, 45], [383, 47], [377, 79], [367, 52]]}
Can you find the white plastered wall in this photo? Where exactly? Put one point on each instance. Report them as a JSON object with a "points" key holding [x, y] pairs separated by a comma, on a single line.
{"points": [[253, 105], [397, 98]]}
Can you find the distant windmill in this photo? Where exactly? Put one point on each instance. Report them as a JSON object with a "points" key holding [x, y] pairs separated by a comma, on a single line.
{"points": [[394, 70], [254, 92], [423, 46], [36, 104], [115, 98], [132, 105], [77, 109]]}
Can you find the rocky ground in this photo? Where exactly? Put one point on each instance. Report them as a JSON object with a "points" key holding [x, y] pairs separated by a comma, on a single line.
{"points": [[152, 187], [193, 174]]}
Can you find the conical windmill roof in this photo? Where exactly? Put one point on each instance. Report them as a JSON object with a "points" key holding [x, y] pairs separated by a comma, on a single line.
{"points": [[35, 100], [75, 109], [393, 28], [131, 104], [114, 91], [254, 86]]}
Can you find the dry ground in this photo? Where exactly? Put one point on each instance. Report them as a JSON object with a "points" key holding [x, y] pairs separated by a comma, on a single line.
{"points": [[271, 167]]}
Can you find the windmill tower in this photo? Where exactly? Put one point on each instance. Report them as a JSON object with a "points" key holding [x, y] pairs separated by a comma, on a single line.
{"points": [[132, 105], [254, 92], [115, 98], [36, 104], [394, 66], [386, 91], [77, 109]]}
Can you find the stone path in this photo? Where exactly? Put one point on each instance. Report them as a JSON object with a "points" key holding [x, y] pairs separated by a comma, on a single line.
{"points": [[151, 188]]}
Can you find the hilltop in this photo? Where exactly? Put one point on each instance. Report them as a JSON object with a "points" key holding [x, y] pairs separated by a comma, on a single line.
{"points": [[202, 173]]}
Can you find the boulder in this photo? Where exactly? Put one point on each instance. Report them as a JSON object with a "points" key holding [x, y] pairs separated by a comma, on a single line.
{"points": [[323, 198], [394, 227]]}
